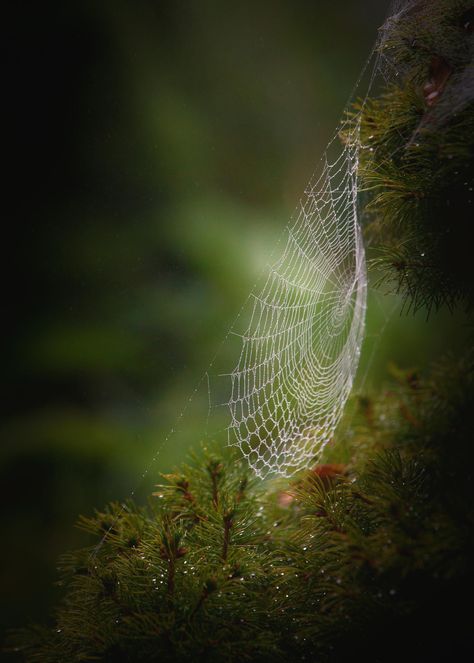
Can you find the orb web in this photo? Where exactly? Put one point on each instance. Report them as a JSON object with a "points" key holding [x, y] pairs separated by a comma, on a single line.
{"points": [[300, 351]]}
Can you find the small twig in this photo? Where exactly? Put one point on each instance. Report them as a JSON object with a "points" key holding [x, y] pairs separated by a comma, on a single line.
{"points": [[228, 522], [215, 471], [215, 492], [171, 576], [210, 586]]}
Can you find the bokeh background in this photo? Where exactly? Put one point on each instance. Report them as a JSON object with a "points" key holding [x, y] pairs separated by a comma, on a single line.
{"points": [[157, 150]]}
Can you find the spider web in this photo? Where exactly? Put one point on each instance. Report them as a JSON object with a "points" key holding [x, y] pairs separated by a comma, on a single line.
{"points": [[301, 349]]}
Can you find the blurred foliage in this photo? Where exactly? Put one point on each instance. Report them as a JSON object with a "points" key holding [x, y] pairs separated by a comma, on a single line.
{"points": [[156, 149]]}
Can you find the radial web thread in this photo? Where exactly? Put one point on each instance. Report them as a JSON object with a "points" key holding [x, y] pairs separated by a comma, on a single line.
{"points": [[301, 349]]}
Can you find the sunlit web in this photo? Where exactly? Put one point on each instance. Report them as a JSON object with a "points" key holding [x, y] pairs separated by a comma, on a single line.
{"points": [[301, 349]]}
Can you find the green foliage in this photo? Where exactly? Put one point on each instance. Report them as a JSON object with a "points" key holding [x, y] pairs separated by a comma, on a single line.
{"points": [[358, 559], [417, 166], [153, 167], [220, 567]]}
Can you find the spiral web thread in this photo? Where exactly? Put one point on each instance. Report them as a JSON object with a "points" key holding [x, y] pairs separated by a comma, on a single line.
{"points": [[301, 349]]}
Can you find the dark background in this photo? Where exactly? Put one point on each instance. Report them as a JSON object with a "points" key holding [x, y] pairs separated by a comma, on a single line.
{"points": [[153, 152]]}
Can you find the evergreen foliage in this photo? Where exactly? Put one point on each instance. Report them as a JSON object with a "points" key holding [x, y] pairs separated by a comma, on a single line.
{"points": [[417, 164], [371, 558], [217, 569]]}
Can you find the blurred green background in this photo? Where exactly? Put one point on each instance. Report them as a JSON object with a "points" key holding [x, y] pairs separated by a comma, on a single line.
{"points": [[158, 149]]}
